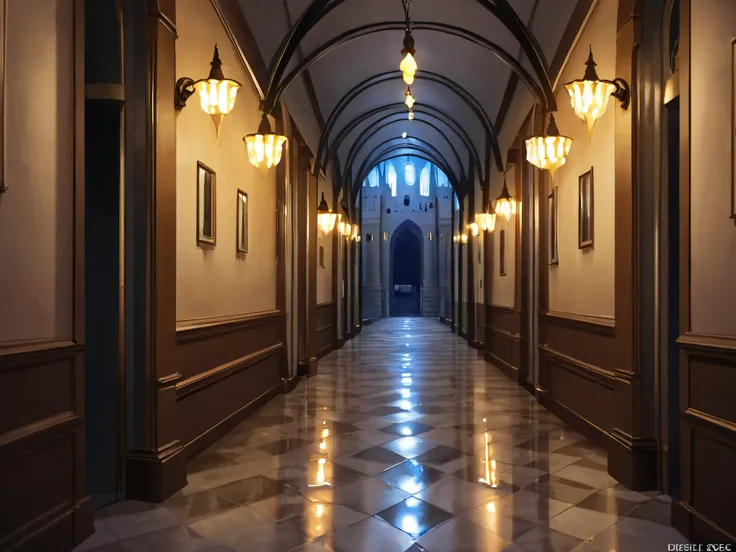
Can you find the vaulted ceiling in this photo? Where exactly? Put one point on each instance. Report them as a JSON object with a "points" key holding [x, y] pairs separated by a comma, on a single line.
{"points": [[348, 100]]}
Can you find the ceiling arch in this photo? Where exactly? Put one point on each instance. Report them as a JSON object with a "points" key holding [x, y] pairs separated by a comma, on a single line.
{"points": [[318, 9], [387, 148], [470, 101], [371, 132], [433, 114], [409, 151], [542, 91]]}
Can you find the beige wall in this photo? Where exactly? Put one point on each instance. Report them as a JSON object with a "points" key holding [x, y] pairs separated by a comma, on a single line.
{"points": [[502, 292], [713, 235], [324, 274], [37, 212], [583, 282], [217, 282]]}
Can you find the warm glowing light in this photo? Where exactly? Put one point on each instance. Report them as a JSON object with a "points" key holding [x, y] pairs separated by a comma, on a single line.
{"points": [[403, 135], [410, 101], [491, 507], [216, 93], [322, 446], [326, 219], [345, 229], [464, 238], [505, 204], [408, 67], [325, 433], [411, 115], [264, 147], [355, 234], [589, 96], [548, 152], [474, 228]]}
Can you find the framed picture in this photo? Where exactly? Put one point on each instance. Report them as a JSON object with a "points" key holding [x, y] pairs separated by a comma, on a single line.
{"points": [[502, 252], [733, 130], [206, 205], [241, 218], [553, 225], [585, 210]]}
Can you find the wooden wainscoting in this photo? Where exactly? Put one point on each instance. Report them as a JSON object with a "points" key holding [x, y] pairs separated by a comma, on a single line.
{"points": [[503, 339], [41, 426], [708, 433], [229, 367], [480, 325], [576, 371], [326, 333]]}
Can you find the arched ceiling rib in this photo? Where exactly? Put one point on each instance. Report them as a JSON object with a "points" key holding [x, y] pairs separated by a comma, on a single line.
{"points": [[363, 124], [466, 51], [392, 132]]}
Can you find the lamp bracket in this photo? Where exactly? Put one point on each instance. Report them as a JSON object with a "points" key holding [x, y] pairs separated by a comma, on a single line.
{"points": [[622, 93], [183, 91]]}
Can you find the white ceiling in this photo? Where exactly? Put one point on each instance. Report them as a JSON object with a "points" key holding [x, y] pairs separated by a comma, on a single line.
{"points": [[474, 68]]}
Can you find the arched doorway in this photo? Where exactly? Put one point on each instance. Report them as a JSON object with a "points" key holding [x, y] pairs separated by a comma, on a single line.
{"points": [[406, 270]]}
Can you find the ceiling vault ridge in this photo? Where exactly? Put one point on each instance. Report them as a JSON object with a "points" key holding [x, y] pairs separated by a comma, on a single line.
{"points": [[502, 10], [429, 76], [434, 114]]}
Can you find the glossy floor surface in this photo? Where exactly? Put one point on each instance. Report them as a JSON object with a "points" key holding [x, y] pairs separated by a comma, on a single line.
{"points": [[406, 441]]}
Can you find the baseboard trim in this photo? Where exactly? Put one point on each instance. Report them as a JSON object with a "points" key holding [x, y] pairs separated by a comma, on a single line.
{"points": [[155, 475], [529, 386], [511, 371], [586, 428], [696, 528], [633, 462], [340, 343], [290, 383], [476, 345]]}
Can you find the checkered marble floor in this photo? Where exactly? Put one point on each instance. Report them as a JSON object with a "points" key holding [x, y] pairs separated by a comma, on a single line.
{"points": [[405, 441]]}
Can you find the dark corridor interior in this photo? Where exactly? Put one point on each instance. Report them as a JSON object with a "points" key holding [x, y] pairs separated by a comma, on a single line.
{"points": [[407, 275]]}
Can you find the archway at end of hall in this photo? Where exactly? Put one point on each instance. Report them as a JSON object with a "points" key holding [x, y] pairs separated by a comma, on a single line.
{"points": [[406, 270]]}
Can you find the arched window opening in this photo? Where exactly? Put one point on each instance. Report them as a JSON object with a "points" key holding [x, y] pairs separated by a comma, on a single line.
{"points": [[424, 181], [373, 178], [391, 178], [409, 175]]}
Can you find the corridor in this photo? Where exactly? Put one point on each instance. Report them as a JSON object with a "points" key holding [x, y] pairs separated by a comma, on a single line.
{"points": [[405, 441]]}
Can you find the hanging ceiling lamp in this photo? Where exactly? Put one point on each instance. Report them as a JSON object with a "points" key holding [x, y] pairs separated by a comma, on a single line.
{"points": [[549, 151], [487, 220], [265, 147], [589, 96], [408, 65], [411, 114], [216, 93], [326, 219], [505, 203], [410, 101]]}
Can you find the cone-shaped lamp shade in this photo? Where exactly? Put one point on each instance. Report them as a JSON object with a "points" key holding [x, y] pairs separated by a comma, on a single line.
{"points": [[410, 101], [548, 152], [216, 93], [326, 219], [589, 96], [264, 147], [505, 204]]}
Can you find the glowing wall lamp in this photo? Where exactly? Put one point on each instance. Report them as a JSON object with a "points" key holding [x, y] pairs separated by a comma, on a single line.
{"points": [[548, 152], [589, 96], [264, 147], [474, 228], [345, 229], [410, 101], [326, 219], [505, 203], [216, 93]]}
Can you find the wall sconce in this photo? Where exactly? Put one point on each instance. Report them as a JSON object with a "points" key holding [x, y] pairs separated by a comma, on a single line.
{"points": [[548, 152], [505, 204], [589, 96], [464, 239], [410, 101], [216, 93], [455, 238], [264, 147], [326, 219], [474, 228], [344, 228]]}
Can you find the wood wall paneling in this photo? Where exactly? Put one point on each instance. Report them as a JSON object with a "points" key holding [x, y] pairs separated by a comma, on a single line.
{"points": [[42, 400], [503, 347]]}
